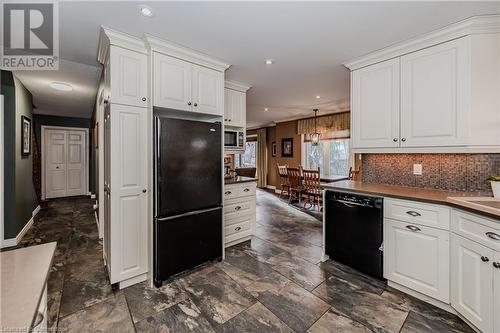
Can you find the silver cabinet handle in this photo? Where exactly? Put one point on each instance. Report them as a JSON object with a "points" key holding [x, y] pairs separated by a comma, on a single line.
{"points": [[492, 235], [237, 208], [196, 104], [144, 99], [39, 319], [395, 140], [413, 213], [227, 192], [496, 265], [403, 139], [246, 190], [485, 259], [189, 103], [413, 228], [237, 229]]}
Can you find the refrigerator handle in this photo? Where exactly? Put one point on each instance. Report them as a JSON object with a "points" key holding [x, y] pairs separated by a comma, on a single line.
{"points": [[196, 212]]}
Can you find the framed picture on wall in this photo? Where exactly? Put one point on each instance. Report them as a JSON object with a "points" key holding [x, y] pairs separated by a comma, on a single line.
{"points": [[273, 149], [25, 136], [287, 147]]}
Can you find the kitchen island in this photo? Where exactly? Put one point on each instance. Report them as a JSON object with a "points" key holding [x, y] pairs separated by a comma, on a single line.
{"points": [[239, 209], [24, 274]]}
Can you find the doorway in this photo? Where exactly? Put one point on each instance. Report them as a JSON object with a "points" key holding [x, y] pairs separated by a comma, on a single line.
{"points": [[64, 161]]}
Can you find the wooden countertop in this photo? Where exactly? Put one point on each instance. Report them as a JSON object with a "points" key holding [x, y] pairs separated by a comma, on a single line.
{"points": [[24, 273], [413, 193], [239, 179]]}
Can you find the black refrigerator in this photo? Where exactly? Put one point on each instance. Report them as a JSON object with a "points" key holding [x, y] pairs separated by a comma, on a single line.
{"points": [[188, 195]]}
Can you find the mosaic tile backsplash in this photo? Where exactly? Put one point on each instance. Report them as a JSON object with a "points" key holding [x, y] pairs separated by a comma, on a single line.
{"points": [[452, 172]]}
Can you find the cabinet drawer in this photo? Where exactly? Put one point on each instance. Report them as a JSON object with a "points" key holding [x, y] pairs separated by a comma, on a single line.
{"points": [[242, 226], [416, 212], [231, 219], [231, 192], [239, 207], [417, 257], [476, 228], [247, 189]]}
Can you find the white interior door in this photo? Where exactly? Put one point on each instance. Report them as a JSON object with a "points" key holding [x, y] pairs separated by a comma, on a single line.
{"points": [[55, 163], [65, 163], [75, 165]]}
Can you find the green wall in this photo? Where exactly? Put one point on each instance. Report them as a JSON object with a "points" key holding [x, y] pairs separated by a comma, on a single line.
{"points": [[20, 197]]}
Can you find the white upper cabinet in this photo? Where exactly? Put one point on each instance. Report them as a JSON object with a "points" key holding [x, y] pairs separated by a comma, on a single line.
{"points": [[182, 85], [434, 95], [128, 75], [375, 105], [471, 282], [234, 108], [172, 83], [208, 90]]}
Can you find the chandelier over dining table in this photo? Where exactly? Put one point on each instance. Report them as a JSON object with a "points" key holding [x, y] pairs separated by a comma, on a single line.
{"points": [[315, 136]]}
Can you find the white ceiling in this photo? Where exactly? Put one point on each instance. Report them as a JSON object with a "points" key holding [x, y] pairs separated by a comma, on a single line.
{"points": [[308, 41]]}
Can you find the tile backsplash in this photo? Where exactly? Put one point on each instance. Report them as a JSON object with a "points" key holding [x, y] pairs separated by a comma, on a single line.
{"points": [[455, 172]]}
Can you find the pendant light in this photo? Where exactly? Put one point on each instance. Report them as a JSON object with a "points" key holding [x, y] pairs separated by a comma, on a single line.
{"points": [[316, 135]]}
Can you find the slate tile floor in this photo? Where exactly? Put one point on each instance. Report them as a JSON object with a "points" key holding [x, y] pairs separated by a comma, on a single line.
{"points": [[273, 283]]}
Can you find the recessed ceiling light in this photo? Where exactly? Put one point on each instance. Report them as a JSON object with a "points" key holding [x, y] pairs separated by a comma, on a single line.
{"points": [[266, 109], [146, 11], [269, 62], [318, 96], [61, 86]]}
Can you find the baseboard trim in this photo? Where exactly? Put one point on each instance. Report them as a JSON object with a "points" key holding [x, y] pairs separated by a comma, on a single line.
{"points": [[14, 241], [271, 187]]}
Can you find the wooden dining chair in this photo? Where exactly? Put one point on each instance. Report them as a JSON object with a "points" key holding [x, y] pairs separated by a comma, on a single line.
{"points": [[354, 174], [295, 183], [312, 188], [284, 185]]}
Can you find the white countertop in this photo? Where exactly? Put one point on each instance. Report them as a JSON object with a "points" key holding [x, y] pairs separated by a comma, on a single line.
{"points": [[24, 273]]}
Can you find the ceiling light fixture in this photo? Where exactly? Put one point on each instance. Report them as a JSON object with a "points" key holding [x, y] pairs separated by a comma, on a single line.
{"points": [[61, 86], [318, 96], [316, 135], [266, 109], [269, 62], [146, 11]]}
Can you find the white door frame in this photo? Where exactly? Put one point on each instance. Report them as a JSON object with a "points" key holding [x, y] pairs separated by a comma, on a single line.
{"points": [[2, 184], [86, 130]]}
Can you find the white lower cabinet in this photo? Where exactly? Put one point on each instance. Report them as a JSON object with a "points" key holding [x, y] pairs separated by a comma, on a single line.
{"points": [[417, 257], [239, 212], [472, 282], [496, 291]]}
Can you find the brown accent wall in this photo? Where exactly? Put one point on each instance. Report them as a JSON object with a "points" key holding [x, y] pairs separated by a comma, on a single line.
{"points": [[276, 134], [456, 172]]}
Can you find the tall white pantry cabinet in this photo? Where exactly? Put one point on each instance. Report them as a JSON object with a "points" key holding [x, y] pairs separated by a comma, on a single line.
{"points": [[125, 158]]}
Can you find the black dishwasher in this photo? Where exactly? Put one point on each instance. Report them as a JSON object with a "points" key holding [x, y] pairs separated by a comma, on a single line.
{"points": [[353, 231]]}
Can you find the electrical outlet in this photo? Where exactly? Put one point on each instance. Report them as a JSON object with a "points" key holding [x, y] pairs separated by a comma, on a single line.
{"points": [[417, 169]]}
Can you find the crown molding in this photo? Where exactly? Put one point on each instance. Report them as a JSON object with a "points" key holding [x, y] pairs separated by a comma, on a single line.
{"points": [[109, 37], [178, 51], [483, 24], [234, 85]]}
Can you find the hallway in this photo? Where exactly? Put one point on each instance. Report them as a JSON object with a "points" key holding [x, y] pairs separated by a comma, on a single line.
{"points": [[275, 283]]}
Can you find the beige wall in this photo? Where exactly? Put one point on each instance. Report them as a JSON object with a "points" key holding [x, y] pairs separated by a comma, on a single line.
{"points": [[276, 134]]}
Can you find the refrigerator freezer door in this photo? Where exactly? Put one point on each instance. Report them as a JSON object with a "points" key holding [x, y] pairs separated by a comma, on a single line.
{"points": [[189, 166], [186, 241]]}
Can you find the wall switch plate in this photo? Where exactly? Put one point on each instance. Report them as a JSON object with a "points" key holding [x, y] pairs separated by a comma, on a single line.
{"points": [[417, 169]]}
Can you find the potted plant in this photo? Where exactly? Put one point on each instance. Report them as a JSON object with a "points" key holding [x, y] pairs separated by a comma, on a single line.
{"points": [[495, 185]]}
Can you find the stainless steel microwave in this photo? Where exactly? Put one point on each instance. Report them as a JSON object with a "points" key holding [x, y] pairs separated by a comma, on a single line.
{"points": [[234, 140]]}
